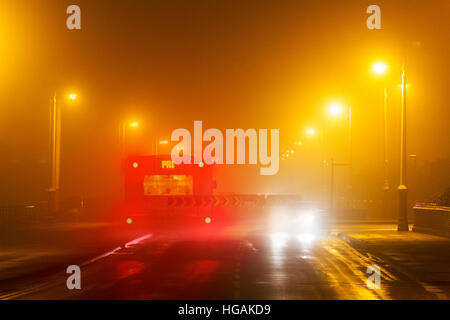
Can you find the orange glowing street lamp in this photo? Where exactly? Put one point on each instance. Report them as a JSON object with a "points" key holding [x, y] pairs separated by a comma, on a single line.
{"points": [[310, 131], [335, 109], [55, 157], [379, 68]]}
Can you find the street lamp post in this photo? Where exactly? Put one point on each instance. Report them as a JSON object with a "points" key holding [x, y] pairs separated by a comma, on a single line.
{"points": [[385, 153], [336, 110], [55, 148], [350, 158], [320, 132], [123, 146], [402, 188], [380, 68], [55, 154], [333, 165], [123, 136]]}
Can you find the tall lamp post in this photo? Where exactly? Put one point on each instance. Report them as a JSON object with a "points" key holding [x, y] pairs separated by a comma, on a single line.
{"points": [[55, 153], [123, 147], [402, 188], [123, 136], [333, 165], [380, 68], [312, 132], [335, 110]]}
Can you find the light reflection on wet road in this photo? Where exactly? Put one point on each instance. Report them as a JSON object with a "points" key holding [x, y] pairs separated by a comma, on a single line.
{"points": [[255, 266]]}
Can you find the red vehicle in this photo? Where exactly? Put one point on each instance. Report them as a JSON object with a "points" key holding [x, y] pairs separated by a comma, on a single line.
{"points": [[160, 192], [155, 176]]}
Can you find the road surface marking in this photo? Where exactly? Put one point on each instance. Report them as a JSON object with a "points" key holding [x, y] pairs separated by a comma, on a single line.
{"points": [[138, 240], [53, 279]]}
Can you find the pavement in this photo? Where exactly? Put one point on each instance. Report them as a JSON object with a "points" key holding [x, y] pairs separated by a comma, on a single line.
{"points": [[422, 257], [236, 263]]}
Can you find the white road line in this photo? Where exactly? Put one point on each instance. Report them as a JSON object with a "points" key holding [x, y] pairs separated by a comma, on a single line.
{"points": [[126, 246], [138, 240], [35, 288], [106, 254]]}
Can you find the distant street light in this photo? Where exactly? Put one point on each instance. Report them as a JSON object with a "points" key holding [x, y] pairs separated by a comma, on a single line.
{"points": [[335, 109], [55, 157], [379, 68], [310, 132], [134, 124]]}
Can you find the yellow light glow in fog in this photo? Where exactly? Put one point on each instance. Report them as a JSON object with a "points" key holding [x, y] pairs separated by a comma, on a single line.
{"points": [[379, 68], [310, 132], [129, 221], [335, 109], [207, 220], [134, 124], [72, 96]]}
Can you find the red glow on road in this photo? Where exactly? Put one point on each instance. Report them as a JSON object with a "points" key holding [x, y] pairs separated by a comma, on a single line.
{"points": [[202, 271], [129, 268]]}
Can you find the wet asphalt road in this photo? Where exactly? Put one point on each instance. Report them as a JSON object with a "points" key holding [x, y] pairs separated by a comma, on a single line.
{"points": [[254, 265]]}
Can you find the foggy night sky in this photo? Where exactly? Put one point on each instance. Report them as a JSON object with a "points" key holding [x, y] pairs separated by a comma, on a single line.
{"points": [[232, 64]]}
